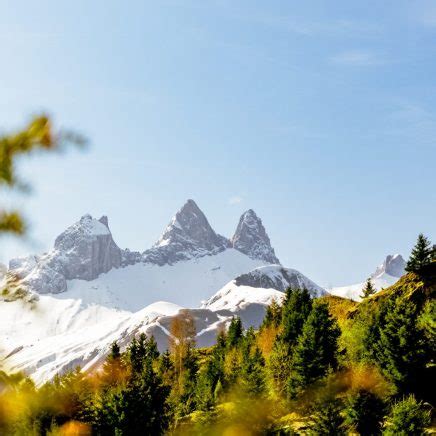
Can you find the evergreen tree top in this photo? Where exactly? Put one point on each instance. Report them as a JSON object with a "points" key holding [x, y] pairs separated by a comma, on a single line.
{"points": [[368, 289], [422, 254]]}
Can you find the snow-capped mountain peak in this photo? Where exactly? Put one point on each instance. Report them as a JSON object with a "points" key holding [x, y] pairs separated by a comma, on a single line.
{"points": [[188, 235], [259, 287], [393, 265], [190, 225], [251, 238], [384, 276], [278, 278], [98, 293], [83, 251]]}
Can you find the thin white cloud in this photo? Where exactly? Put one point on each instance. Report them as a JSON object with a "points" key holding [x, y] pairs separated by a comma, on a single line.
{"points": [[235, 200], [357, 58]]}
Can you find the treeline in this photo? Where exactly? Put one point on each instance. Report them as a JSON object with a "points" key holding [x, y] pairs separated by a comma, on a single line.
{"points": [[325, 366]]}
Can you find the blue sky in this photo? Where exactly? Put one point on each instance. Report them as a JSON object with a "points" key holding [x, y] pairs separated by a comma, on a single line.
{"points": [[319, 115]]}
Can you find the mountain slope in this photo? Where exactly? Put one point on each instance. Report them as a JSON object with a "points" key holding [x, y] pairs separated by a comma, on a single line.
{"points": [[384, 276], [262, 285], [187, 263], [53, 334], [185, 282], [86, 292]]}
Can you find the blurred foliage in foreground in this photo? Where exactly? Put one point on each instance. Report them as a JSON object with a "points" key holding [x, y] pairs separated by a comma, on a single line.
{"points": [[36, 136], [327, 366]]}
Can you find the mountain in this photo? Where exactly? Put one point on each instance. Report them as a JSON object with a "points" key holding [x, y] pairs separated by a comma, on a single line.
{"points": [[251, 239], [261, 285], [392, 266], [66, 332], [86, 292], [83, 251], [188, 262], [188, 235], [385, 275]]}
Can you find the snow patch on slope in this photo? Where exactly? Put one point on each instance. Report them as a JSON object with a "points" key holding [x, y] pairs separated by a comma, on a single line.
{"points": [[353, 292], [385, 275], [232, 297], [53, 335], [185, 283], [260, 286]]}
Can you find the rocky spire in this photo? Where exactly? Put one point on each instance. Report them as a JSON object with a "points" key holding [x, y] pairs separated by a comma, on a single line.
{"points": [[188, 235], [251, 239], [89, 248], [83, 251], [393, 265]]}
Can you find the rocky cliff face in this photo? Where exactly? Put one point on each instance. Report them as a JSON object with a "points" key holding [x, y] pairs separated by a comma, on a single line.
{"points": [[393, 265], [278, 278], [188, 235], [88, 249], [251, 239], [84, 251]]}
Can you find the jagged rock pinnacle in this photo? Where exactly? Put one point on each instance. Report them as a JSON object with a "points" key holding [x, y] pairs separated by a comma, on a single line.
{"points": [[251, 238], [188, 235], [393, 265]]}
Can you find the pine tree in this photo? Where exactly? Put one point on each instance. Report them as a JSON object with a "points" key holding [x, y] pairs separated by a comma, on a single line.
{"points": [[215, 366], [140, 350], [407, 418], [294, 312], [205, 398], [248, 342], [137, 407], [166, 369], [368, 290], [316, 349], [327, 420], [279, 365], [114, 369], [400, 349], [253, 373], [188, 383], [114, 353], [296, 308], [421, 254], [365, 413], [235, 332], [273, 315]]}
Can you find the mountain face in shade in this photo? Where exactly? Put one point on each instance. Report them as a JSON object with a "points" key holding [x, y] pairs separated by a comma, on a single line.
{"points": [[251, 239], [83, 251], [188, 235], [393, 265], [278, 278]]}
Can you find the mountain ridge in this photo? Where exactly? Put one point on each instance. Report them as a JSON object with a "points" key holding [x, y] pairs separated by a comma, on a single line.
{"points": [[86, 249], [385, 275]]}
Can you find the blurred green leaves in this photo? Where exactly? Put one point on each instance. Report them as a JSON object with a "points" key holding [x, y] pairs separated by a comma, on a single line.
{"points": [[37, 135]]}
